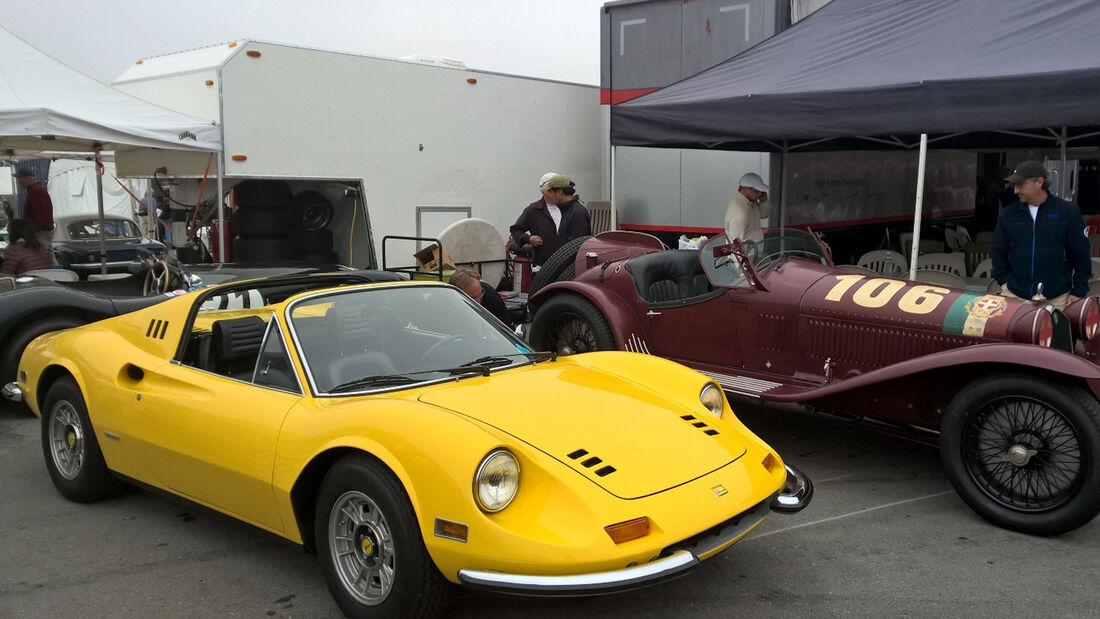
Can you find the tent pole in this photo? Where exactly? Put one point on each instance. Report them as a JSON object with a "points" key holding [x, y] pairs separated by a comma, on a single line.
{"points": [[102, 223], [1063, 172], [783, 186], [919, 208], [611, 184], [221, 215]]}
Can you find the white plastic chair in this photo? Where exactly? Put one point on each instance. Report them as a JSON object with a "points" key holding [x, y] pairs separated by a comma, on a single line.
{"points": [[57, 275], [984, 269], [948, 263], [944, 278], [884, 261]]}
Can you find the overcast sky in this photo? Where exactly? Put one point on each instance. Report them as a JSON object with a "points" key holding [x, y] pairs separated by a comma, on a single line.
{"points": [[555, 39]]}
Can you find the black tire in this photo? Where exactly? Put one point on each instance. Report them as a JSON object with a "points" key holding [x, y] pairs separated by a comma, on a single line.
{"points": [[249, 222], [1023, 452], [314, 241], [569, 323], [70, 447], [556, 263], [13, 348], [418, 589], [255, 193], [261, 249], [312, 210]]}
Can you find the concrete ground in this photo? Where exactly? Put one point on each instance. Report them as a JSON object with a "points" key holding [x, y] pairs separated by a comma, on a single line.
{"points": [[885, 536]]}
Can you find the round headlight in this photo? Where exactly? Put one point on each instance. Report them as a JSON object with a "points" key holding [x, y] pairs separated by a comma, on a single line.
{"points": [[497, 481], [711, 397]]}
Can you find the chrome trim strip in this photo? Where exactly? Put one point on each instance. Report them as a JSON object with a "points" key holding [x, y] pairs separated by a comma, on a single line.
{"points": [[13, 392], [665, 568], [742, 384]]}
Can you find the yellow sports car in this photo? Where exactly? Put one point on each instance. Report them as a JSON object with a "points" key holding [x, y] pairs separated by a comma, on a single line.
{"points": [[408, 437]]}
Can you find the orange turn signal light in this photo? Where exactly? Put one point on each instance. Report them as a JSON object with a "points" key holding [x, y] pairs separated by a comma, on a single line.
{"points": [[626, 531], [771, 463], [451, 530]]}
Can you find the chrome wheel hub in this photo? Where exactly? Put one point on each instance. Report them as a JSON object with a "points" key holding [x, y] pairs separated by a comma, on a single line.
{"points": [[362, 548], [66, 435]]}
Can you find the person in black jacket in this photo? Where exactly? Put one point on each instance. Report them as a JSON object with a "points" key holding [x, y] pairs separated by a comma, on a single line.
{"points": [[553, 221], [469, 281], [1041, 239]]}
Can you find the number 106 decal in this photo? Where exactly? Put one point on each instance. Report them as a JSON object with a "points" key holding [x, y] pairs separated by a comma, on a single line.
{"points": [[879, 291]]}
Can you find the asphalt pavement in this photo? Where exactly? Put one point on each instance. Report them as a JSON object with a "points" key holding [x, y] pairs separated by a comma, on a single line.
{"points": [[885, 536]]}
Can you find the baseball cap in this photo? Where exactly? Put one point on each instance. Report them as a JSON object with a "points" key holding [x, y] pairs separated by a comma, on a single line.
{"points": [[753, 180], [1026, 170], [556, 181], [24, 172], [546, 177]]}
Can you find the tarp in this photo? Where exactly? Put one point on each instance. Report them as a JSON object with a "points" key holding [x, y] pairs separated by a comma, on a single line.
{"points": [[891, 67], [72, 187], [48, 106]]}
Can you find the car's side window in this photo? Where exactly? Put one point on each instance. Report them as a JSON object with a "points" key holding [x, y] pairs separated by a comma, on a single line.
{"points": [[273, 368]]}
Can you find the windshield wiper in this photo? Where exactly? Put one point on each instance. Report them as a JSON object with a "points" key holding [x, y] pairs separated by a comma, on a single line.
{"points": [[495, 360], [373, 381]]}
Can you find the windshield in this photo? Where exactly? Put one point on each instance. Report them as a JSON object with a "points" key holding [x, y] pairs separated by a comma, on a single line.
{"points": [[395, 336], [778, 244], [89, 229]]}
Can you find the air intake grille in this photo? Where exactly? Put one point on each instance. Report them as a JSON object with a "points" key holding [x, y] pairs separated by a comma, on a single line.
{"points": [[699, 423], [157, 329], [588, 463]]}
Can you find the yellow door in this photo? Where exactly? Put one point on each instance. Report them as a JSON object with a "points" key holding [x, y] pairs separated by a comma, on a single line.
{"points": [[211, 438]]}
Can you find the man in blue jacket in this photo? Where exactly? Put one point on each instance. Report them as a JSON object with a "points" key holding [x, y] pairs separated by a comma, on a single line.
{"points": [[1041, 240]]}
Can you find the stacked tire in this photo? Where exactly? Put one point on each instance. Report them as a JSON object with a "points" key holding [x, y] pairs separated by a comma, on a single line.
{"points": [[262, 222], [273, 224]]}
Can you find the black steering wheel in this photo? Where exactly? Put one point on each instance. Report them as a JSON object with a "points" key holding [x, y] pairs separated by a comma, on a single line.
{"points": [[434, 348], [156, 279]]}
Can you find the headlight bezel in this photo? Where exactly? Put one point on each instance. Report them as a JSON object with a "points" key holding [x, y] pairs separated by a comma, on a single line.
{"points": [[489, 458], [717, 399]]}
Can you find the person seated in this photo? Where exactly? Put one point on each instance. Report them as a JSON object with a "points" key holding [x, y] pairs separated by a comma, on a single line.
{"points": [[469, 281], [25, 250]]}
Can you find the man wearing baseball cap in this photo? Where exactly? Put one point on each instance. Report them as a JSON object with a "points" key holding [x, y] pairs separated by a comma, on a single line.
{"points": [[552, 221], [1040, 244], [747, 207]]}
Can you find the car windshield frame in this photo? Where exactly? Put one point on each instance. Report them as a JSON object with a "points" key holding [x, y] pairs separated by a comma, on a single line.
{"points": [[777, 245], [512, 352]]}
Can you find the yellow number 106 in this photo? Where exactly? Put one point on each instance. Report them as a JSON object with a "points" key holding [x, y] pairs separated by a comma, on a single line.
{"points": [[879, 291]]}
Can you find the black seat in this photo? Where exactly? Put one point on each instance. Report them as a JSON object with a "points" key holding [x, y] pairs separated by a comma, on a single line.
{"points": [[669, 276], [236, 345]]}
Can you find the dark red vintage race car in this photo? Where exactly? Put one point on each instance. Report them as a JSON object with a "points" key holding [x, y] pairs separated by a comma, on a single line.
{"points": [[1011, 386]]}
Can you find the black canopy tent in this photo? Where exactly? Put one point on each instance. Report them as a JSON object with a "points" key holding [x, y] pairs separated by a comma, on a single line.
{"points": [[881, 74]]}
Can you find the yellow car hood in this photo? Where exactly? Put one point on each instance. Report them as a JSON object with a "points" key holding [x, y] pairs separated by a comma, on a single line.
{"points": [[642, 441]]}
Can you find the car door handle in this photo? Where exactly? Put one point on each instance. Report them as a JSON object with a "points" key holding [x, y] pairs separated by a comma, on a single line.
{"points": [[652, 313]]}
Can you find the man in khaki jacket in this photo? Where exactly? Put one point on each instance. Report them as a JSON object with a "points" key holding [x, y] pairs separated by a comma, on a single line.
{"points": [[747, 207]]}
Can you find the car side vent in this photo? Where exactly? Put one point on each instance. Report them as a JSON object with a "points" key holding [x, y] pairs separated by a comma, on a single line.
{"points": [[157, 329], [592, 461]]}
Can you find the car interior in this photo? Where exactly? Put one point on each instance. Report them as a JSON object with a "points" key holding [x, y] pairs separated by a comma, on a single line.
{"points": [[670, 277]]}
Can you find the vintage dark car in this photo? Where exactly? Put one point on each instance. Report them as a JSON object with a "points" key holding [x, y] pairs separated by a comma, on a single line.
{"points": [[31, 306], [76, 244], [1010, 386]]}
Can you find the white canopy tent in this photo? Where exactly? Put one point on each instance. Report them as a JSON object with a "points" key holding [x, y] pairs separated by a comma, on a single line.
{"points": [[46, 106]]}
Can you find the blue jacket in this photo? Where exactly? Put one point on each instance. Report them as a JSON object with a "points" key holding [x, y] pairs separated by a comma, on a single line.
{"points": [[1053, 250]]}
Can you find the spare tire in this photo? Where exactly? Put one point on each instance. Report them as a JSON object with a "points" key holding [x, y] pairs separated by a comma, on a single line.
{"points": [[261, 249], [314, 241], [313, 211], [254, 221], [556, 264]]}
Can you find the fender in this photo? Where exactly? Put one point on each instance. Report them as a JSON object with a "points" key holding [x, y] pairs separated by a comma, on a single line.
{"points": [[1023, 356], [616, 311]]}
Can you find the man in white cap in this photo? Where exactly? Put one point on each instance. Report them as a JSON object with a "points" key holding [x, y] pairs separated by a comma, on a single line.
{"points": [[747, 207]]}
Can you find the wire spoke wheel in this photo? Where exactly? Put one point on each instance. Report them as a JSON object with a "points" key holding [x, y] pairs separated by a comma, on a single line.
{"points": [[1024, 454], [570, 333], [66, 439], [362, 547]]}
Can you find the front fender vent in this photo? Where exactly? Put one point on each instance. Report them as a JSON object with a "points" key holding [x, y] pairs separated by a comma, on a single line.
{"points": [[157, 329], [588, 463], [699, 423]]}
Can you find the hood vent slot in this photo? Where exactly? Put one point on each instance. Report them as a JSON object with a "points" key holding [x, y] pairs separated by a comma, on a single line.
{"points": [[588, 463], [699, 423], [157, 329]]}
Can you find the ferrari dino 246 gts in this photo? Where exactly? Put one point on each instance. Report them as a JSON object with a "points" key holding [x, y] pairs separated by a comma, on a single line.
{"points": [[378, 424], [1010, 385]]}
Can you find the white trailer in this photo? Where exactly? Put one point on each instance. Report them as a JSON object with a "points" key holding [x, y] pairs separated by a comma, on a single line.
{"points": [[400, 147]]}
